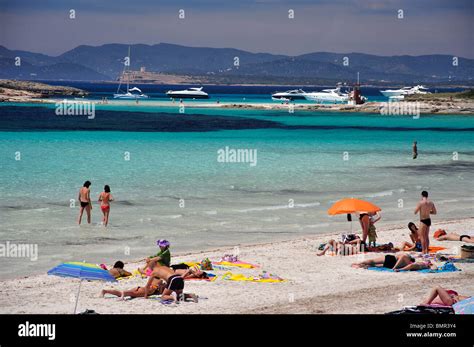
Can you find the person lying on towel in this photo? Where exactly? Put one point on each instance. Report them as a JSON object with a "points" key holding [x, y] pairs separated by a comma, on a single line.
{"points": [[442, 235], [441, 296], [188, 272], [397, 262]]}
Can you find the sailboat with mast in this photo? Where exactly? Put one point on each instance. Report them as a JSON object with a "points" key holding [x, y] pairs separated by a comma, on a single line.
{"points": [[130, 93]]}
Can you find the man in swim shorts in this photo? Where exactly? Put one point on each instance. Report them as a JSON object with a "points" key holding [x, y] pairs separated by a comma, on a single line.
{"points": [[174, 284], [426, 208], [388, 261]]}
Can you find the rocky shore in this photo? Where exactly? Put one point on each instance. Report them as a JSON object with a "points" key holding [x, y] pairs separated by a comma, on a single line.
{"points": [[26, 91]]}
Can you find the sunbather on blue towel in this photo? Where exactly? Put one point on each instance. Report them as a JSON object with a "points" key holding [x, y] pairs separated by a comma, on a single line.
{"points": [[422, 265], [389, 261]]}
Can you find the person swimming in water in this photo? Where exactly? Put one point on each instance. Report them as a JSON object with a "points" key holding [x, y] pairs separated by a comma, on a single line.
{"points": [[425, 208], [105, 198], [415, 150], [85, 200]]}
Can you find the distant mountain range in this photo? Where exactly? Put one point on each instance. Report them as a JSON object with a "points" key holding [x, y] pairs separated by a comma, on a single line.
{"points": [[218, 65]]}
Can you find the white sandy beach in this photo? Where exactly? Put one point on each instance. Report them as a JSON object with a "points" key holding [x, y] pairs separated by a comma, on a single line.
{"points": [[326, 284]]}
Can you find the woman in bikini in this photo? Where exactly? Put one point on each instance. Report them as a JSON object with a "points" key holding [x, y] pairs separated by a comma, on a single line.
{"points": [[441, 296], [441, 235], [415, 244], [155, 287], [85, 200], [105, 198]]}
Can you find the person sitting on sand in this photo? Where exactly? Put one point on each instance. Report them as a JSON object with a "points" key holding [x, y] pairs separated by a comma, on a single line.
{"points": [[118, 270], [388, 261], [441, 296], [351, 244], [155, 287], [163, 257], [415, 244], [442, 235], [105, 198], [174, 284]]}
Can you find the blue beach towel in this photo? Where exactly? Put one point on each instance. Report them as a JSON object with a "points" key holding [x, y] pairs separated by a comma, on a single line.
{"points": [[464, 306], [448, 267]]}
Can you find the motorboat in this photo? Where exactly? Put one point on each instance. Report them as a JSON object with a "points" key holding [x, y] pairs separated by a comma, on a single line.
{"points": [[328, 95], [190, 93], [295, 94], [400, 93]]}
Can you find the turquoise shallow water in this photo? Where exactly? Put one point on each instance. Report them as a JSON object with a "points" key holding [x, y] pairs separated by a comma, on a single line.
{"points": [[299, 163]]}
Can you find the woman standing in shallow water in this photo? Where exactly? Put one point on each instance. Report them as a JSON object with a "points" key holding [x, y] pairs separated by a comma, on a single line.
{"points": [[105, 198], [85, 200]]}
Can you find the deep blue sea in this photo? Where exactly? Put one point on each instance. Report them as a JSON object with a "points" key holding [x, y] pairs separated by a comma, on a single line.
{"points": [[164, 172]]}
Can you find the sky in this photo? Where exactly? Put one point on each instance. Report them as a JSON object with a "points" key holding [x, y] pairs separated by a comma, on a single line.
{"points": [[344, 26]]}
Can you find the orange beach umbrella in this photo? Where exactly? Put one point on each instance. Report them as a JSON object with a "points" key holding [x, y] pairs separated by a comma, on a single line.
{"points": [[347, 206]]}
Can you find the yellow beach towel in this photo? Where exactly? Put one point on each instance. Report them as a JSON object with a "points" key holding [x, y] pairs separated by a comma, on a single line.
{"points": [[240, 277]]}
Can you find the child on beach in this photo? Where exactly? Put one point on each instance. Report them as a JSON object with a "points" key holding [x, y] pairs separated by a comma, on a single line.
{"points": [[105, 198], [163, 257], [85, 201], [373, 218]]}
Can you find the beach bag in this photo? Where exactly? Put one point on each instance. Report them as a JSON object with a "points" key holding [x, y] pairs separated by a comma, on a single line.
{"points": [[206, 264], [230, 258], [467, 252]]}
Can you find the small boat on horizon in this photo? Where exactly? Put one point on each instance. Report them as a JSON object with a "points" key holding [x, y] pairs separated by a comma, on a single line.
{"points": [[189, 93], [400, 93]]}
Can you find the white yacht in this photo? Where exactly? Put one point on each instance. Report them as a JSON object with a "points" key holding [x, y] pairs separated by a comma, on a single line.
{"points": [[190, 93], [129, 93], [132, 93], [328, 95], [295, 94], [400, 93]]}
